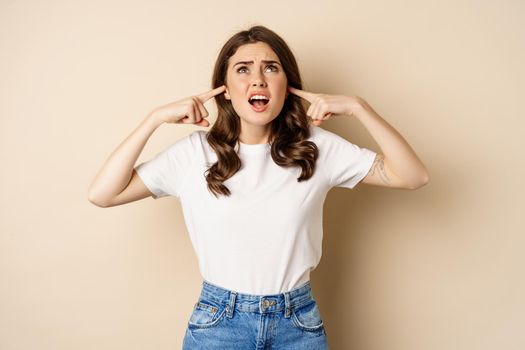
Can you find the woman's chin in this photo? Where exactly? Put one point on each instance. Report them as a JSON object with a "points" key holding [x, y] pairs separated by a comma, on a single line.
{"points": [[258, 119]]}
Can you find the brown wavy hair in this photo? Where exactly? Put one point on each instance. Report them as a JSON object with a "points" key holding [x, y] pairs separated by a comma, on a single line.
{"points": [[288, 131]]}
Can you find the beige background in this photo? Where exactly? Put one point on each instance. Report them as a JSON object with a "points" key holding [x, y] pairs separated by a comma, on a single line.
{"points": [[436, 268]]}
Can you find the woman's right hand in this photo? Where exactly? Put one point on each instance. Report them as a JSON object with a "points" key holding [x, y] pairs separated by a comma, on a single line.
{"points": [[189, 110]]}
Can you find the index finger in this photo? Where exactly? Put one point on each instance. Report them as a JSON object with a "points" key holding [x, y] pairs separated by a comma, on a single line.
{"points": [[308, 96], [214, 92]]}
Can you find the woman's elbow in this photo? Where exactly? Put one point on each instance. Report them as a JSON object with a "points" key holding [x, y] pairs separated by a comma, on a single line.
{"points": [[421, 183]]}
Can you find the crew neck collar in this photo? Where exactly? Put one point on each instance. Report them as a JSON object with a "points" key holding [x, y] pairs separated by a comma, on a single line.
{"points": [[253, 148]]}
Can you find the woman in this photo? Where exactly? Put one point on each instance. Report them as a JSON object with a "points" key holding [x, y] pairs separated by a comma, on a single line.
{"points": [[252, 190]]}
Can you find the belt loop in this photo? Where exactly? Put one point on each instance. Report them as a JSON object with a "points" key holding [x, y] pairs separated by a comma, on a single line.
{"points": [[287, 306], [231, 305]]}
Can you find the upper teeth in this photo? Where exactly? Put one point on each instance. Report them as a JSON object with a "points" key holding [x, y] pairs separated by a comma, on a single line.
{"points": [[258, 97]]}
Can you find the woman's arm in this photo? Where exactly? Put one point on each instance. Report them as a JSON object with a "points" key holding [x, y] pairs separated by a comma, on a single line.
{"points": [[116, 172], [399, 158], [399, 166]]}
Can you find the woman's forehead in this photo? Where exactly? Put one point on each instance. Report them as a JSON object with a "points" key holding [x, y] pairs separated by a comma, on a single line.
{"points": [[254, 51]]}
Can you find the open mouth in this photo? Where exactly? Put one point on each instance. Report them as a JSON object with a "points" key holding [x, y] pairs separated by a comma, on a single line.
{"points": [[258, 101]]}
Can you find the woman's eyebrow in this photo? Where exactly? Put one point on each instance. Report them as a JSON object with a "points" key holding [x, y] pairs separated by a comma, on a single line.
{"points": [[251, 62]]}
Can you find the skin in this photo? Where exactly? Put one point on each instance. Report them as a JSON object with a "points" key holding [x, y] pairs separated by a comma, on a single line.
{"points": [[398, 166], [243, 79]]}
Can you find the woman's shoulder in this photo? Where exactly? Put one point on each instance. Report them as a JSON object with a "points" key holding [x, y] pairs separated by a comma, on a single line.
{"points": [[321, 135], [194, 138], [192, 142], [198, 135], [199, 140]]}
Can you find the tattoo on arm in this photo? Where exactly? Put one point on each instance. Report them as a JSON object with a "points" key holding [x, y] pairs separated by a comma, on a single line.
{"points": [[379, 166]]}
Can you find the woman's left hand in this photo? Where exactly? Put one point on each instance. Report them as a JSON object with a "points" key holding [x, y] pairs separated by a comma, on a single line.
{"points": [[322, 106]]}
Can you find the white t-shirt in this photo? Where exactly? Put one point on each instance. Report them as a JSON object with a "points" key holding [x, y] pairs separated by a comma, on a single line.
{"points": [[265, 237]]}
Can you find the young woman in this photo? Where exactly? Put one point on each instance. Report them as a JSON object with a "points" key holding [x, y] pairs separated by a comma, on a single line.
{"points": [[252, 190]]}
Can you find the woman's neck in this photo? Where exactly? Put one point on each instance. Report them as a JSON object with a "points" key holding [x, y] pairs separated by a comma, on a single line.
{"points": [[254, 135]]}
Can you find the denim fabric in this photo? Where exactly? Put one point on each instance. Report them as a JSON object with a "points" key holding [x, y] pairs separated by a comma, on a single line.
{"points": [[227, 320]]}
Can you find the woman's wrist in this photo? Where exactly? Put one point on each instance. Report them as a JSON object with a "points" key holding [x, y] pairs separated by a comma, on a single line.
{"points": [[355, 106], [153, 120]]}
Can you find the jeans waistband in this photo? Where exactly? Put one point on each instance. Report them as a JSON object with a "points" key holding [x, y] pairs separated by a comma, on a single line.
{"points": [[257, 303]]}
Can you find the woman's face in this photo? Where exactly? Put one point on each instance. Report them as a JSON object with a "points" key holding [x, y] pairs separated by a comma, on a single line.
{"points": [[256, 68]]}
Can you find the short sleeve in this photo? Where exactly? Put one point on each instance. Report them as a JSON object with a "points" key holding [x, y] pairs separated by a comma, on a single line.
{"points": [[345, 163], [165, 174]]}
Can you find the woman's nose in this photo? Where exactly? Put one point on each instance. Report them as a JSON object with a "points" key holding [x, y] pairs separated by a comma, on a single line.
{"points": [[258, 80], [259, 83]]}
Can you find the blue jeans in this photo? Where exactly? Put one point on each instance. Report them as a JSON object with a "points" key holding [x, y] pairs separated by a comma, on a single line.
{"points": [[227, 320]]}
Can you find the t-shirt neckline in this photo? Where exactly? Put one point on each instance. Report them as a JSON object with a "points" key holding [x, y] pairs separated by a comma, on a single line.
{"points": [[253, 148]]}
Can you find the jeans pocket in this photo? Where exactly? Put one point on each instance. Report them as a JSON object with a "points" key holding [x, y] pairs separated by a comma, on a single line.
{"points": [[206, 314], [307, 317]]}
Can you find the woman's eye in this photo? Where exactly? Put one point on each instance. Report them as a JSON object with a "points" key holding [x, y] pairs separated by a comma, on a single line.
{"points": [[243, 69]]}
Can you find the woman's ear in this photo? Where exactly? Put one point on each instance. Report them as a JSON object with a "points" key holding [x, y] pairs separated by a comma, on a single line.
{"points": [[227, 94]]}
